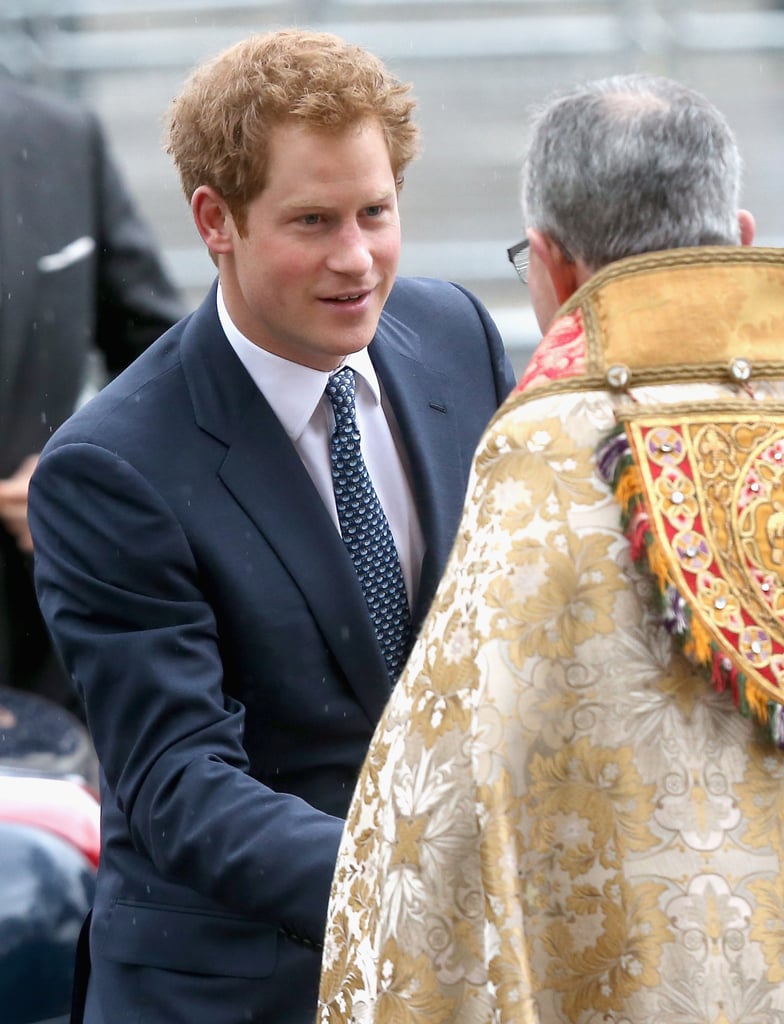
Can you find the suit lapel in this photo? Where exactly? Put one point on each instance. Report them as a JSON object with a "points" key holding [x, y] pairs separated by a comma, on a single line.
{"points": [[271, 484], [275, 490], [289, 512], [423, 402]]}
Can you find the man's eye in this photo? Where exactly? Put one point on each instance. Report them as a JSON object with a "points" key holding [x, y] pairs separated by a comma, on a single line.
{"points": [[374, 211], [312, 218]]}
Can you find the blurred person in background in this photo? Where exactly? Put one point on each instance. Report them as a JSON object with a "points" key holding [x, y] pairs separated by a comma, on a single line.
{"points": [[204, 552], [572, 807], [79, 274], [49, 850]]}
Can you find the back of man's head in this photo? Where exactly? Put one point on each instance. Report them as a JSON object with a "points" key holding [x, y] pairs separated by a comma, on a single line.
{"points": [[631, 164]]}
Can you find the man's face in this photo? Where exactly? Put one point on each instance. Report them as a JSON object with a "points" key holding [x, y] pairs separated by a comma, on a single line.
{"points": [[318, 260]]}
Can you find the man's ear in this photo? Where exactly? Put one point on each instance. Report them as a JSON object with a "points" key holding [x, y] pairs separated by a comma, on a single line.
{"points": [[213, 220], [747, 227], [561, 270]]}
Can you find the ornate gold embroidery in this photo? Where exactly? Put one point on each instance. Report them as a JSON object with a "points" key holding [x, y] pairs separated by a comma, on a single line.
{"points": [[711, 507], [605, 834]]}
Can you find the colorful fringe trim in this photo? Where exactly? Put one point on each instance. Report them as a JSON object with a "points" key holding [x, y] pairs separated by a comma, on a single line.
{"points": [[617, 467]]}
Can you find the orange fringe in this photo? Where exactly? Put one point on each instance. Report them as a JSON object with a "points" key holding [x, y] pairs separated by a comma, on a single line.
{"points": [[757, 700], [629, 486]]}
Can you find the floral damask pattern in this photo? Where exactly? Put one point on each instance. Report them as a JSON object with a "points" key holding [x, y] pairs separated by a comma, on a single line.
{"points": [[595, 838], [562, 356]]}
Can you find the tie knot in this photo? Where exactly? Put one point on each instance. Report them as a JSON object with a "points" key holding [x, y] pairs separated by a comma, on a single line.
{"points": [[340, 390]]}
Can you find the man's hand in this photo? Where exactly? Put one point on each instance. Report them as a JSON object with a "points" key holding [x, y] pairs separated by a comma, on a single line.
{"points": [[13, 503]]}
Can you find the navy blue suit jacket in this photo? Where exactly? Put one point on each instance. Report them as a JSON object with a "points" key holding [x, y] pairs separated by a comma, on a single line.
{"points": [[210, 616]]}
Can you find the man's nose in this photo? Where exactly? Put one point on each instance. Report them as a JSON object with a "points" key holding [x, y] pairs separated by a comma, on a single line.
{"points": [[350, 253]]}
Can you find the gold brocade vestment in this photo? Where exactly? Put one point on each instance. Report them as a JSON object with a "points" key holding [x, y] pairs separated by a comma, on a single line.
{"points": [[573, 807]]}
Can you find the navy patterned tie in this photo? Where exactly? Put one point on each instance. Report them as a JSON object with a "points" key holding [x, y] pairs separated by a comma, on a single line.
{"points": [[365, 529]]}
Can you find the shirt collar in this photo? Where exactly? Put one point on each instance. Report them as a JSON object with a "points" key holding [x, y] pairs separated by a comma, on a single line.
{"points": [[292, 390]]}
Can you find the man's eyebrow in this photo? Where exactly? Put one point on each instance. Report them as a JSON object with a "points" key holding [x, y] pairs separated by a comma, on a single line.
{"points": [[319, 204]]}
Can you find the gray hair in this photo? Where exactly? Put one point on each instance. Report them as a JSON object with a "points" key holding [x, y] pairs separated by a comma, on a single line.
{"points": [[632, 164]]}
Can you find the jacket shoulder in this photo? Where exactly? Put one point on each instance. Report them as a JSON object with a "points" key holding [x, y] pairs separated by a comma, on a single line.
{"points": [[36, 107], [409, 291]]}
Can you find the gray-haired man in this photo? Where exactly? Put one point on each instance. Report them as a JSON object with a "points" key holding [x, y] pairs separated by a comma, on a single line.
{"points": [[563, 816]]}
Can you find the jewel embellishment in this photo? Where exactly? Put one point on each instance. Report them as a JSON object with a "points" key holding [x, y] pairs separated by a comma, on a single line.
{"points": [[618, 376], [740, 369]]}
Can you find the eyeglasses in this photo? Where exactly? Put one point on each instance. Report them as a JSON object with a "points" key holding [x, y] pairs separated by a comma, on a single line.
{"points": [[519, 256]]}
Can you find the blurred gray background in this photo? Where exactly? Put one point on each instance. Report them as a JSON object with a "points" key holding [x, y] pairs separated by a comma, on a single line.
{"points": [[476, 67]]}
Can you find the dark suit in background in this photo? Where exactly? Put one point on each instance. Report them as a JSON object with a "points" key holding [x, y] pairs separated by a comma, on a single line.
{"points": [[79, 272]]}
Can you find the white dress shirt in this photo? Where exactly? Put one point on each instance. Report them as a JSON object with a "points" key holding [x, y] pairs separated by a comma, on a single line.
{"points": [[296, 396]]}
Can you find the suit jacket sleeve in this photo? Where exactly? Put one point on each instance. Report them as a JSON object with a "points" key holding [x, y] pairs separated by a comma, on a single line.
{"points": [[119, 586]]}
